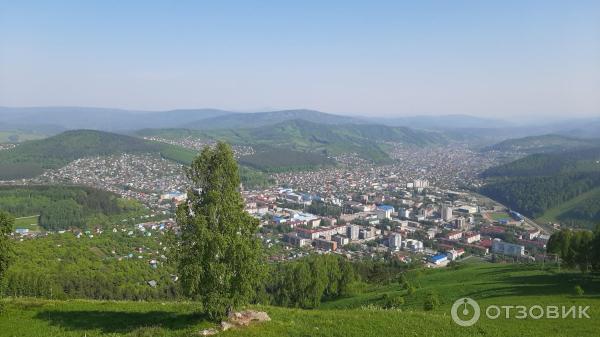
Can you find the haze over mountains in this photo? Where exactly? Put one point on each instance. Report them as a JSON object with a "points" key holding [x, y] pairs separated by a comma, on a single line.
{"points": [[52, 120]]}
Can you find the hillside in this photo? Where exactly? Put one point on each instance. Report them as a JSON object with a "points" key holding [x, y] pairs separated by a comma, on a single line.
{"points": [[62, 207], [550, 186], [257, 119], [543, 144], [30, 158], [488, 284], [329, 140]]}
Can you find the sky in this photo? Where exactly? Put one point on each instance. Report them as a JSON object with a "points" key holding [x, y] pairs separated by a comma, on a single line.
{"points": [[510, 59]]}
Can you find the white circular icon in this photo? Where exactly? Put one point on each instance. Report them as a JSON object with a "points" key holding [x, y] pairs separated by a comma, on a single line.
{"points": [[467, 307]]}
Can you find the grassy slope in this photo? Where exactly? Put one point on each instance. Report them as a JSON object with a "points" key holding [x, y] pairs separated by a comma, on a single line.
{"points": [[551, 215], [488, 284]]}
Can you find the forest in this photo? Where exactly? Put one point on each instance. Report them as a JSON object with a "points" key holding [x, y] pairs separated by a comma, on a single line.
{"points": [[62, 207], [118, 266], [540, 182]]}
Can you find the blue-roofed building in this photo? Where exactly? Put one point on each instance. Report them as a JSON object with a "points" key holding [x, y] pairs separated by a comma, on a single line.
{"points": [[384, 212], [438, 259]]}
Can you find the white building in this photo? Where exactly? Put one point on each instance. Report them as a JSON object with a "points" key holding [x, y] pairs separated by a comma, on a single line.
{"points": [[412, 245], [395, 241], [505, 248]]}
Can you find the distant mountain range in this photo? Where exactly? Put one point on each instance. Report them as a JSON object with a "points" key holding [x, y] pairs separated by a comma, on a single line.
{"points": [[57, 119], [543, 144], [34, 122]]}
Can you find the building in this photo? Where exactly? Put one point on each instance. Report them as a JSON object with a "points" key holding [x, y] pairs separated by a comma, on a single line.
{"points": [[325, 232], [294, 240], [395, 241], [325, 244], [341, 240], [420, 183], [412, 245], [532, 234], [352, 232], [439, 259], [446, 213], [505, 248], [453, 254], [459, 223], [471, 237], [454, 235], [384, 212], [468, 209]]}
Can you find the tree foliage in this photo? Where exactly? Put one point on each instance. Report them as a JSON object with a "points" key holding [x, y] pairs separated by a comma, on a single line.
{"points": [[578, 249], [61, 207], [6, 223], [219, 254], [306, 282]]}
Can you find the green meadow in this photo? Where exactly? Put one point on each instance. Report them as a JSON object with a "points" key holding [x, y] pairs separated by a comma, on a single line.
{"points": [[29, 222], [359, 315]]}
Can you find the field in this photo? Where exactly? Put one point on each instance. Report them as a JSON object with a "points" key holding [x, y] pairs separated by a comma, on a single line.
{"points": [[488, 284], [497, 216], [29, 222]]}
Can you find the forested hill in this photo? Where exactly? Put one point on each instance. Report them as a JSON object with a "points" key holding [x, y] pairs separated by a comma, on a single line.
{"points": [[544, 164], [62, 207], [301, 135], [544, 144], [553, 187], [258, 119], [29, 158]]}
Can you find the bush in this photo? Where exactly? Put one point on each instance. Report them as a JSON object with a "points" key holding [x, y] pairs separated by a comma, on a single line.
{"points": [[578, 290], [392, 302], [431, 302]]}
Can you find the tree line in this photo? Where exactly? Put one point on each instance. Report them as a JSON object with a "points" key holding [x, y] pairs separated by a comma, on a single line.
{"points": [[62, 207], [577, 249]]}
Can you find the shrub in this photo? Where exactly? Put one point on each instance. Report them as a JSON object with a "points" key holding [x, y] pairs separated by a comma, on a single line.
{"points": [[431, 302], [392, 302]]}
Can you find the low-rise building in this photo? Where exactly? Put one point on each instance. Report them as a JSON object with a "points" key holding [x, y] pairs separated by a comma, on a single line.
{"points": [[505, 248]]}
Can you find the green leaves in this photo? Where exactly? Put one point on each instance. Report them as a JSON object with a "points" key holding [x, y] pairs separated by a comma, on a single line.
{"points": [[219, 255]]}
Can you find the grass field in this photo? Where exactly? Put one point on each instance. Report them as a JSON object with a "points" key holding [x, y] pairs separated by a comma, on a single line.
{"points": [[497, 216], [29, 222], [488, 284], [552, 214]]}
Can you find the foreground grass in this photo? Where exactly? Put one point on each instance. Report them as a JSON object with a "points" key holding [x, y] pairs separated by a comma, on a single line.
{"points": [[486, 283]]}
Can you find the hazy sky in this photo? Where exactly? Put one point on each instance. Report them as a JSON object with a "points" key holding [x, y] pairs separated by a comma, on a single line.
{"points": [[487, 58]]}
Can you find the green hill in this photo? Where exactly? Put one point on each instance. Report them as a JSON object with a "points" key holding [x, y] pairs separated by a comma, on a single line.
{"points": [[550, 186], [30, 158], [543, 144], [61, 207], [488, 284], [258, 119], [366, 140]]}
